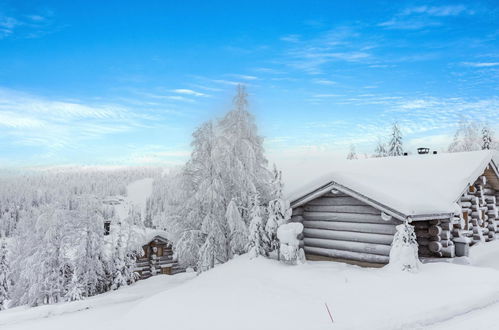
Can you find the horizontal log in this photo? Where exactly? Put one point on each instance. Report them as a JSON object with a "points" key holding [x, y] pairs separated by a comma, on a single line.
{"points": [[347, 217], [348, 236], [336, 201], [349, 255], [362, 209], [435, 230], [379, 249], [435, 246], [297, 211], [351, 226]]}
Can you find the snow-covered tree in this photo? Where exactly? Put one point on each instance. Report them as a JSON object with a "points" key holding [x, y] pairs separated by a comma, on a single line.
{"points": [[487, 138], [352, 154], [245, 165], [289, 248], [88, 264], [380, 150], [257, 236], [75, 289], [4, 272], [466, 138], [238, 233], [395, 146], [279, 211], [404, 251]]}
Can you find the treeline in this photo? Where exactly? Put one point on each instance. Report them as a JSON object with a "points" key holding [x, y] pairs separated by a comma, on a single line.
{"points": [[469, 136], [52, 243]]}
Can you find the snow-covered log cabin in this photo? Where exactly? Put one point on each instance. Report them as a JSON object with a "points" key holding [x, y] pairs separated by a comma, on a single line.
{"points": [[350, 214], [157, 258]]}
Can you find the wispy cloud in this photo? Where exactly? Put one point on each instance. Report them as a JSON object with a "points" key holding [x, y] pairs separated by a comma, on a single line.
{"points": [[26, 26], [342, 44], [188, 92], [480, 64], [418, 17], [36, 121]]}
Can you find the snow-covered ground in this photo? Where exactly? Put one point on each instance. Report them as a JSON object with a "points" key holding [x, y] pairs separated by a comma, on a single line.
{"points": [[264, 294], [137, 194]]}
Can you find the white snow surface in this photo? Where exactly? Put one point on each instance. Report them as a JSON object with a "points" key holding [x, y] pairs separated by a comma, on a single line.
{"points": [[265, 294], [412, 185], [137, 194]]}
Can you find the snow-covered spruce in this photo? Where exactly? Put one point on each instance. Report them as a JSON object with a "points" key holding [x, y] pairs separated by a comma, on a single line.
{"points": [[257, 239], [395, 147], [404, 251], [279, 212], [289, 248]]}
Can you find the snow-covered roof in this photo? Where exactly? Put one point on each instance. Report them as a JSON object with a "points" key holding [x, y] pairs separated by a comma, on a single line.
{"points": [[415, 185]]}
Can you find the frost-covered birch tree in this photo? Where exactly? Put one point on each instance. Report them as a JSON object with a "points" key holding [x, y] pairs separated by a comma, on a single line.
{"points": [[380, 150], [245, 165], [395, 146], [352, 154], [466, 138]]}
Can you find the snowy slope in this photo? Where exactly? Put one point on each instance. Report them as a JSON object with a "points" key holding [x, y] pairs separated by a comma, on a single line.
{"points": [[264, 294], [419, 184], [98, 312]]}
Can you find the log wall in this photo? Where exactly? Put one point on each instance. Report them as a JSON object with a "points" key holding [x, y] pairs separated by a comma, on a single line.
{"points": [[342, 228]]}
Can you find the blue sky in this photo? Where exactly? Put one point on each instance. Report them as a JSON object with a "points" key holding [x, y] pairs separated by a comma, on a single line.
{"points": [[126, 82]]}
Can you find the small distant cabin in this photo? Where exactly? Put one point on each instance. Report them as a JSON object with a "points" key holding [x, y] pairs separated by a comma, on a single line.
{"points": [[157, 258], [350, 214]]}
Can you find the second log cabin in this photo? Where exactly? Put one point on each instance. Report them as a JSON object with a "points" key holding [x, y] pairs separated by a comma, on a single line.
{"points": [[350, 214]]}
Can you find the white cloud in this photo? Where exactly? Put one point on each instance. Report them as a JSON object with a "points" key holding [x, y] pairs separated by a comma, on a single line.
{"points": [[188, 92], [480, 64], [418, 17]]}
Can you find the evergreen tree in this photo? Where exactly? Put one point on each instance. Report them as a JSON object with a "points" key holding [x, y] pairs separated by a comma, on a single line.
{"points": [[4, 272], [279, 212], [75, 290], [257, 236], [487, 138], [404, 251], [89, 265], [395, 147]]}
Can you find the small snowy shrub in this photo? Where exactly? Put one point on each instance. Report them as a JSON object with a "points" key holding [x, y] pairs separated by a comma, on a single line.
{"points": [[404, 251], [289, 244]]}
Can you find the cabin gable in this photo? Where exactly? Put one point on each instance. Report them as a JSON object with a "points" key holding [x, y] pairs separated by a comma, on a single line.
{"points": [[338, 226]]}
